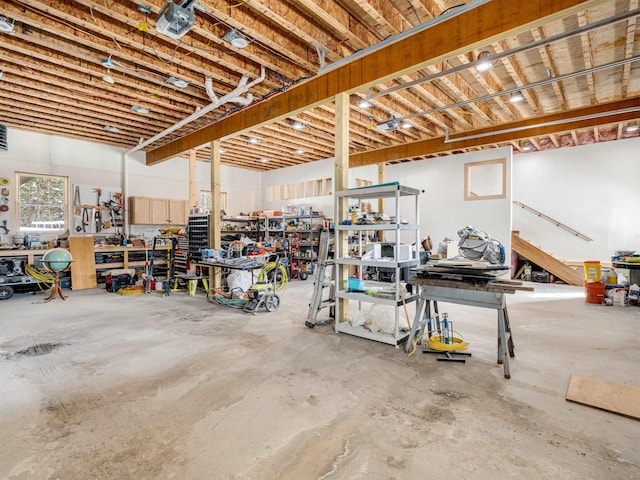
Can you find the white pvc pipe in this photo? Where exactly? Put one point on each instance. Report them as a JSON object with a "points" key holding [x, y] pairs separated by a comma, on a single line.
{"points": [[241, 89]]}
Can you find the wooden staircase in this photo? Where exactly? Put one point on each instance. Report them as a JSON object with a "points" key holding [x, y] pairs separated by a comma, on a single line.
{"points": [[541, 258]]}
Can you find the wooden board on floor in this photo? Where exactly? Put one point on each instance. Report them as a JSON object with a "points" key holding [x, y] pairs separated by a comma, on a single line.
{"points": [[83, 267], [610, 396]]}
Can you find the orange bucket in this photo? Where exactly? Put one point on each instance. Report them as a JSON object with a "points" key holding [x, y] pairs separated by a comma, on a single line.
{"points": [[594, 292]]}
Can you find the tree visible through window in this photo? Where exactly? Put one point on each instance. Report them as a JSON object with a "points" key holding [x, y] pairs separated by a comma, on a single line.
{"points": [[205, 200], [42, 202]]}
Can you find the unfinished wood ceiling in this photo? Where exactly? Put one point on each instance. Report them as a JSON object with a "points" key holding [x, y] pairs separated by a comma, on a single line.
{"points": [[77, 68]]}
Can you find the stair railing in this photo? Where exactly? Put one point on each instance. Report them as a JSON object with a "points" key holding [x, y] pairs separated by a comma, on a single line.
{"points": [[553, 220]]}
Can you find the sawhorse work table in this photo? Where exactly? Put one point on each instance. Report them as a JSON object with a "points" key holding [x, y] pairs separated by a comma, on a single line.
{"points": [[491, 295]]}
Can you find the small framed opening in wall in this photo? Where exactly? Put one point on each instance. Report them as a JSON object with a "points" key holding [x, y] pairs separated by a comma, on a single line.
{"points": [[485, 180]]}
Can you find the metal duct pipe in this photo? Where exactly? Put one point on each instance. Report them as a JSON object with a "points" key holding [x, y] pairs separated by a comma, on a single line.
{"points": [[239, 90], [526, 87], [621, 17]]}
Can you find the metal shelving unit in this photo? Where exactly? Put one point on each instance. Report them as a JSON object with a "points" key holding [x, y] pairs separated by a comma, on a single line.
{"points": [[395, 230], [280, 227], [198, 236]]}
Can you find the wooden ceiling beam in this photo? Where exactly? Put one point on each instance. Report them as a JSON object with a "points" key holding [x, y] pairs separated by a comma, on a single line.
{"points": [[485, 24], [15, 85], [632, 25], [546, 55], [291, 25], [117, 41], [224, 56], [530, 129], [77, 111], [92, 85], [280, 50], [587, 55]]}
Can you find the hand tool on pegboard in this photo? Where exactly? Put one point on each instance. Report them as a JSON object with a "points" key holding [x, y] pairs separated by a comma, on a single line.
{"points": [[98, 213]]}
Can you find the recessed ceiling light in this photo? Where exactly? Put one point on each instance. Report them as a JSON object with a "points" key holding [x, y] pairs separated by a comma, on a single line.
{"points": [[516, 97], [254, 140], [6, 25], [633, 127], [484, 64], [139, 109], [298, 125], [236, 38], [364, 103], [264, 160], [299, 151], [111, 128], [177, 82]]}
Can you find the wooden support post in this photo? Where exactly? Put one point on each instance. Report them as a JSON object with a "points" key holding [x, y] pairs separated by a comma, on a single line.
{"points": [[215, 274], [381, 179], [341, 182], [193, 193]]}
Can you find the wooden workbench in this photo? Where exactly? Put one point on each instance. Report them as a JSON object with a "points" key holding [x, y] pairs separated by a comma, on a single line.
{"points": [[489, 295]]}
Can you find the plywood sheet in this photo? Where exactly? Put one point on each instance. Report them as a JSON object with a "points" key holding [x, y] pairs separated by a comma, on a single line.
{"points": [[83, 267], [610, 396]]}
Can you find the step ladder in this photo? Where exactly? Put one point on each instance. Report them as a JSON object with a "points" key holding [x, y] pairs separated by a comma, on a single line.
{"points": [[321, 282]]}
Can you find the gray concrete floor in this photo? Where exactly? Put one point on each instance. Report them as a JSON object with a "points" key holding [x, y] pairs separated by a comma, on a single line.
{"points": [[145, 387]]}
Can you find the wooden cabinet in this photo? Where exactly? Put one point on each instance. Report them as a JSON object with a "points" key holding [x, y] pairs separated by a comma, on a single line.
{"points": [[140, 211], [157, 211], [179, 212]]}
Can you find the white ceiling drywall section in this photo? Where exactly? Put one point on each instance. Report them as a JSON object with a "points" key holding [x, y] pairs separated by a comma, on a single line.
{"points": [[594, 189]]}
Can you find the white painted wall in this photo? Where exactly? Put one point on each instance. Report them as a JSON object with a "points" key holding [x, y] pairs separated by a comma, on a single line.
{"points": [[89, 163], [299, 173], [443, 210], [594, 189]]}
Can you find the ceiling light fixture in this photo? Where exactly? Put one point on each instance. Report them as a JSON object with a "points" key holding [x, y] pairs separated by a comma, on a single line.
{"points": [[6, 25], [139, 109], [111, 128], [633, 127], [484, 64], [264, 160], [254, 140], [177, 82], [516, 97], [236, 38], [222, 150], [298, 125], [526, 146], [299, 151], [108, 78], [364, 103], [406, 125]]}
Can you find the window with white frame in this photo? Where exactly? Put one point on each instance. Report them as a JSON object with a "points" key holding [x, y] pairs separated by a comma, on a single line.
{"points": [[42, 202], [205, 200]]}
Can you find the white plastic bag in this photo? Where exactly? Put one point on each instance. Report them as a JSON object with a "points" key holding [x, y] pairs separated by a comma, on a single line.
{"points": [[239, 279], [378, 318]]}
